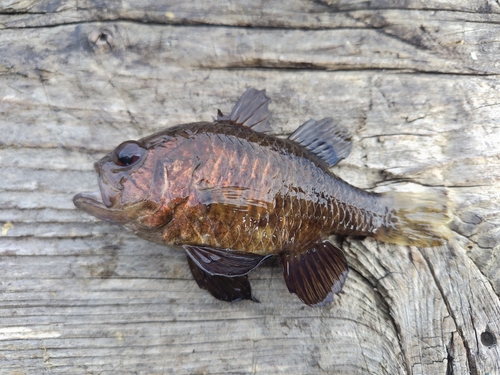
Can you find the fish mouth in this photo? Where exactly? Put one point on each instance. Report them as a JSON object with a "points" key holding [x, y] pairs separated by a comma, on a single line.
{"points": [[93, 204]]}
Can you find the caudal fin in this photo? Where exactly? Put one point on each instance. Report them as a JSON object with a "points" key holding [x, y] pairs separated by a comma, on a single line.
{"points": [[416, 219]]}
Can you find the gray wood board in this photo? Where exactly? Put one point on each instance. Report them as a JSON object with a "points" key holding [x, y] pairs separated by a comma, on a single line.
{"points": [[417, 87]]}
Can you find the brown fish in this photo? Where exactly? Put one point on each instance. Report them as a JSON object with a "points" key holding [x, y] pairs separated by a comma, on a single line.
{"points": [[233, 196]]}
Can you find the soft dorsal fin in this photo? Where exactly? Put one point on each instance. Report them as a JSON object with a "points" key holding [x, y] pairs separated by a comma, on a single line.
{"points": [[327, 141], [316, 274], [250, 110]]}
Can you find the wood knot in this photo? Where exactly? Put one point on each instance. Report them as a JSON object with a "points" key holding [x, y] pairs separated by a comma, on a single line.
{"points": [[488, 339], [101, 40]]}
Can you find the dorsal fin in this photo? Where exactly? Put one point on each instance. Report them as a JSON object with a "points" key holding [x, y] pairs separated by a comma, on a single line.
{"points": [[250, 110], [327, 141]]}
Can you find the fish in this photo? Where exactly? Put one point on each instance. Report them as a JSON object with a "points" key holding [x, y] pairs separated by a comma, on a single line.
{"points": [[232, 195]]}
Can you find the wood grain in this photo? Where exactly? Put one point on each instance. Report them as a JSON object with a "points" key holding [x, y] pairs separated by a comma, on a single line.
{"points": [[416, 84]]}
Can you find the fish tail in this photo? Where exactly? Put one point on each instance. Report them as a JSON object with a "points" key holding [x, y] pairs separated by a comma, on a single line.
{"points": [[416, 219]]}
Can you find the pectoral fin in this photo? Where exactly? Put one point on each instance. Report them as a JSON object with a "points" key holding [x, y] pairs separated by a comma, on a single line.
{"points": [[230, 289], [316, 274], [330, 142], [224, 262], [250, 110]]}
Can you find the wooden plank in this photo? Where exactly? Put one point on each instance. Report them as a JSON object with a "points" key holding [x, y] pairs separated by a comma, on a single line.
{"points": [[416, 86], [366, 46]]}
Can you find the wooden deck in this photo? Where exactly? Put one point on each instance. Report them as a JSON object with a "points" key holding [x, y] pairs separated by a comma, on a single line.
{"points": [[417, 85]]}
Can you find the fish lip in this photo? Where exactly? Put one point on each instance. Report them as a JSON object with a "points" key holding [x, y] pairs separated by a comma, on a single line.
{"points": [[108, 193]]}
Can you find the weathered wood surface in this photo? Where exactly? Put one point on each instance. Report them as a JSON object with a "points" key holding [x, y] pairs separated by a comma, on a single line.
{"points": [[417, 85]]}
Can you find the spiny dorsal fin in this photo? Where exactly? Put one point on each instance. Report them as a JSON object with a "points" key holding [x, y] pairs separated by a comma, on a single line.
{"points": [[250, 110], [316, 274], [329, 142]]}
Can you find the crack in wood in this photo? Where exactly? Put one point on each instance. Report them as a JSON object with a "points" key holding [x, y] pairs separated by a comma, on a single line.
{"points": [[450, 358], [470, 357]]}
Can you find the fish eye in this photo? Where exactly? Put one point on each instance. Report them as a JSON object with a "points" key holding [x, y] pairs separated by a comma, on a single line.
{"points": [[128, 153]]}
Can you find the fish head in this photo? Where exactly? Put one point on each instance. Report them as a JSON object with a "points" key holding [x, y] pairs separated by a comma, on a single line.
{"points": [[132, 181]]}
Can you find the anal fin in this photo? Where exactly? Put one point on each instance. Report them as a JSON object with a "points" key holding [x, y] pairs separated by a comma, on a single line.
{"points": [[230, 289], [330, 142], [316, 274]]}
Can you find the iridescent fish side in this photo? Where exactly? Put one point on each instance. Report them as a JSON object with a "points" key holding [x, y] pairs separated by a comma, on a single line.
{"points": [[232, 196]]}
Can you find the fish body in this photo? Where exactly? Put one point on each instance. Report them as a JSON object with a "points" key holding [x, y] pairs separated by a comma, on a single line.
{"points": [[243, 190], [232, 196]]}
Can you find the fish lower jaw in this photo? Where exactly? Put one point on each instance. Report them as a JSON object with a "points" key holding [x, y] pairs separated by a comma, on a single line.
{"points": [[83, 200], [92, 204]]}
